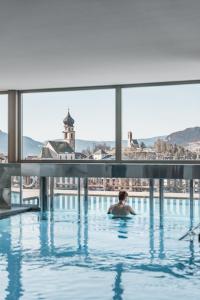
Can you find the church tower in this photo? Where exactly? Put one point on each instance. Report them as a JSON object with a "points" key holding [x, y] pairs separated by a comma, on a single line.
{"points": [[69, 133], [130, 137]]}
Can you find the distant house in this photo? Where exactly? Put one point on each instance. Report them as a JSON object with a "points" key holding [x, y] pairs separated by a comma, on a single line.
{"points": [[3, 158], [99, 154]]}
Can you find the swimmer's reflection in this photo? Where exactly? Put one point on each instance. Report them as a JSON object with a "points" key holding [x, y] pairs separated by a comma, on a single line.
{"points": [[161, 243], [122, 227], [151, 236], [117, 288], [85, 240], [44, 220], [192, 253], [82, 226]]}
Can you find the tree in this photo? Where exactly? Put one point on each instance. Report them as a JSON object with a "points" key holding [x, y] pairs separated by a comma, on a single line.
{"points": [[101, 146], [87, 151], [142, 145]]}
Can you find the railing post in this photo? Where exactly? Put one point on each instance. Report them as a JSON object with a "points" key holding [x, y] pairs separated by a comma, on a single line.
{"points": [[85, 185], [151, 217], [51, 193], [79, 187], [161, 199], [79, 195], [21, 190], [43, 193], [191, 203], [151, 196]]}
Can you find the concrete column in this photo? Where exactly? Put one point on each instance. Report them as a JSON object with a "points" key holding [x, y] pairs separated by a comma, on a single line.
{"points": [[43, 193], [118, 124], [14, 127]]}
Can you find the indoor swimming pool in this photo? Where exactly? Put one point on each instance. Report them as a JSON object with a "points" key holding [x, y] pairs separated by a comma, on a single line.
{"points": [[78, 252]]}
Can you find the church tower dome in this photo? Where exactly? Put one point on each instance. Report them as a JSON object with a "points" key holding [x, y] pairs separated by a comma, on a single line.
{"points": [[68, 120]]}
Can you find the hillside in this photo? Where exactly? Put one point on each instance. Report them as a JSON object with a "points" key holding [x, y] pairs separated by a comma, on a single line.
{"points": [[184, 137], [31, 147]]}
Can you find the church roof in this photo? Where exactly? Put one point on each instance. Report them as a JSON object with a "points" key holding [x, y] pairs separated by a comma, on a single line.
{"points": [[68, 120], [61, 147], [135, 142], [46, 153]]}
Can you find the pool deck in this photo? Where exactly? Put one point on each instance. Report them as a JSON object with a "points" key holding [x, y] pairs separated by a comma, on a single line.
{"points": [[4, 213]]}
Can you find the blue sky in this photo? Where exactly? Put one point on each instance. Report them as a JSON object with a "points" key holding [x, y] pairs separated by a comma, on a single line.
{"points": [[93, 112], [148, 112], [162, 110]]}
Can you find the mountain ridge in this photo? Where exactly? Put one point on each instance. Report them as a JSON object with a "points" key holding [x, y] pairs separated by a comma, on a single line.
{"points": [[33, 147]]}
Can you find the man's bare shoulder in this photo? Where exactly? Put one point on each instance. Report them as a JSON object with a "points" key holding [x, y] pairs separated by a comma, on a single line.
{"points": [[111, 208], [130, 209]]}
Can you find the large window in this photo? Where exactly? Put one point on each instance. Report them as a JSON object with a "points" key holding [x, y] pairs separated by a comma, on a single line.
{"points": [[3, 128], [161, 123], [69, 125]]}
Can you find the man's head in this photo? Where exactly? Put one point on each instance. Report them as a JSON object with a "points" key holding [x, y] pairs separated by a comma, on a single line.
{"points": [[122, 196]]}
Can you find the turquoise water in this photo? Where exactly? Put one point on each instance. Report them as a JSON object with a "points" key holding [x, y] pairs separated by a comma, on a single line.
{"points": [[79, 252]]}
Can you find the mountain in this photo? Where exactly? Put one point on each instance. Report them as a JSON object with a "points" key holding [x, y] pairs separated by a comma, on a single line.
{"points": [[85, 144], [149, 142], [31, 147], [184, 137]]}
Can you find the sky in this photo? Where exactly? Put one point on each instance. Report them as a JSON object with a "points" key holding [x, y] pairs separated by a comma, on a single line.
{"points": [[93, 112], [146, 111], [156, 111]]}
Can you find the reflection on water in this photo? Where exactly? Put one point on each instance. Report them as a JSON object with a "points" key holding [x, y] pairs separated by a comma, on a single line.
{"points": [[65, 253], [118, 288]]}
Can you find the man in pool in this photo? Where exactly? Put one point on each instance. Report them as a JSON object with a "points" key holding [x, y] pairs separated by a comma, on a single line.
{"points": [[121, 209]]}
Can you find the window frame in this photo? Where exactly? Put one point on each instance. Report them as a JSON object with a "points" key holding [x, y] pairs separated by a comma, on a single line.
{"points": [[118, 123], [6, 93]]}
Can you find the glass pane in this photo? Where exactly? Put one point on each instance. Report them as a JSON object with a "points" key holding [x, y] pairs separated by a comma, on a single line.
{"points": [[161, 123], [69, 125], [30, 190], [15, 190], [65, 193], [3, 128]]}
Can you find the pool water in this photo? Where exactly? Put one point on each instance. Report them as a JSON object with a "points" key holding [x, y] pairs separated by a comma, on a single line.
{"points": [[79, 252]]}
